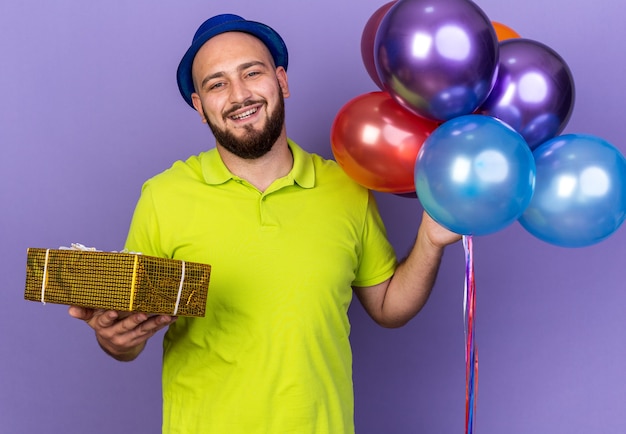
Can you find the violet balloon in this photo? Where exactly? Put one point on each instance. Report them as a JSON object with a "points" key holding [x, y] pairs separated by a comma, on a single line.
{"points": [[534, 90], [437, 58]]}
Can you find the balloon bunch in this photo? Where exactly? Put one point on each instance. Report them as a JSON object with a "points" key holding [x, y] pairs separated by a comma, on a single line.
{"points": [[468, 117]]}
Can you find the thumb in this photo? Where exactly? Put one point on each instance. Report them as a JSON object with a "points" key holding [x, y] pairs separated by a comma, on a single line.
{"points": [[81, 313]]}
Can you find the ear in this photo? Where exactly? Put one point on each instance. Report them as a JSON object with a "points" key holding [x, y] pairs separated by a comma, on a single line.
{"points": [[197, 104], [281, 76]]}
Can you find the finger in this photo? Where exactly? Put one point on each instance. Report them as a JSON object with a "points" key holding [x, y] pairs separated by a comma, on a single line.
{"points": [[104, 319], [81, 313], [76, 312], [132, 322], [153, 325], [131, 331]]}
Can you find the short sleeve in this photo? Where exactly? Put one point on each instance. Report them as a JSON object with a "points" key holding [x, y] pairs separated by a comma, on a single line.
{"points": [[378, 259], [144, 235]]}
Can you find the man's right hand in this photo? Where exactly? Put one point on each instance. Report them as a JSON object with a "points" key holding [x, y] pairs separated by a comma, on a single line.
{"points": [[121, 335]]}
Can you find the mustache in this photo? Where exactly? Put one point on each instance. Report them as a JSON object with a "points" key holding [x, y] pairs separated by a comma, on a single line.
{"points": [[237, 107]]}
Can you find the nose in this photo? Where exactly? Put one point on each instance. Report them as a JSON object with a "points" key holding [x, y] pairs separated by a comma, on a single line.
{"points": [[239, 92]]}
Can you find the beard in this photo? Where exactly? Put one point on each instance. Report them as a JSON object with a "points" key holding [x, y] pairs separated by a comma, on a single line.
{"points": [[254, 144]]}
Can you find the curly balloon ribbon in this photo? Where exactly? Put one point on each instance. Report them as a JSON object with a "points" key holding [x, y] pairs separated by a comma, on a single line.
{"points": [[471, 352]]}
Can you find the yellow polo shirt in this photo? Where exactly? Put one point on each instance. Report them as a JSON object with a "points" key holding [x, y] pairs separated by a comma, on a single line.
{"points": [[272, 354]]}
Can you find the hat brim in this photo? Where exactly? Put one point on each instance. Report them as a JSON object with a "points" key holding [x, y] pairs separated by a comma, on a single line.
{"points": [[266, 34]]}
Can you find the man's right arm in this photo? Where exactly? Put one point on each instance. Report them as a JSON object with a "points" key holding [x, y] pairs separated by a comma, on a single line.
{"points": [[121, 336]]}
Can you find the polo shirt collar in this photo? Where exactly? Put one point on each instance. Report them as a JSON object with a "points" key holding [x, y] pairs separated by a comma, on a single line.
{"points": [[302, 173]]}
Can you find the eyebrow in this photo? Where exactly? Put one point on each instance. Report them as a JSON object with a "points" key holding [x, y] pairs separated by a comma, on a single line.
{"points": [[240, 68]]}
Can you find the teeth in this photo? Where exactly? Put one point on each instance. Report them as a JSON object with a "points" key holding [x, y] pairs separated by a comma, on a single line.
{"points": [[244, 114]]}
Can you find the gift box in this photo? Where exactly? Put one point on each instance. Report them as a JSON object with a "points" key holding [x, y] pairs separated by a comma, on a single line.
{"points": [[126, 282]]}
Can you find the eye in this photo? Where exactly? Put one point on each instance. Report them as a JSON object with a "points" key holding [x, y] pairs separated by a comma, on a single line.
{"points": [[215, 86]]}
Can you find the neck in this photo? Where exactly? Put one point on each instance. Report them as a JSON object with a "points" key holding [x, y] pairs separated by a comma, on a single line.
{"points": [[261, 172]]}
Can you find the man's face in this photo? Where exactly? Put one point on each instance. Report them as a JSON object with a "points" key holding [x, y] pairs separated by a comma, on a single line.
{"points": [[240, 93]]}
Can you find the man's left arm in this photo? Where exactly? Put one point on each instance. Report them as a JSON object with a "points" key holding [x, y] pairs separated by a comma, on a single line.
{"points": [[395, 301]]}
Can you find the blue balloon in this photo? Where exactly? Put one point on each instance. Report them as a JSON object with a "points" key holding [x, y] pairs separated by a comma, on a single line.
{"points": [[475, 175], [580, 196]]}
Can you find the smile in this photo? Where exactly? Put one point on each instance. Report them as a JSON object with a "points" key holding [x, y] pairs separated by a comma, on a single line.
{"points": [[245, 114]]}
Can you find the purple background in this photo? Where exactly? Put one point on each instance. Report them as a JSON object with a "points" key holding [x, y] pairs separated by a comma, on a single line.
{"points": [[89, 109]]}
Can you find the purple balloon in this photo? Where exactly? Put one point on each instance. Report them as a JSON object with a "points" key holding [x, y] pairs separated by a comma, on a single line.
{"points": [[437, 58], [534, 90]]}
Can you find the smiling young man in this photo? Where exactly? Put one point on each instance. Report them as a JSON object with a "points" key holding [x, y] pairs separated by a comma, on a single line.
{"points": [[289, 237], [240, 94]]}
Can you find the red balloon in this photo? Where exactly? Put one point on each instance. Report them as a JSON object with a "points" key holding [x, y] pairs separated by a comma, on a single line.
{"points": [[376, 142], [367, 42]]}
